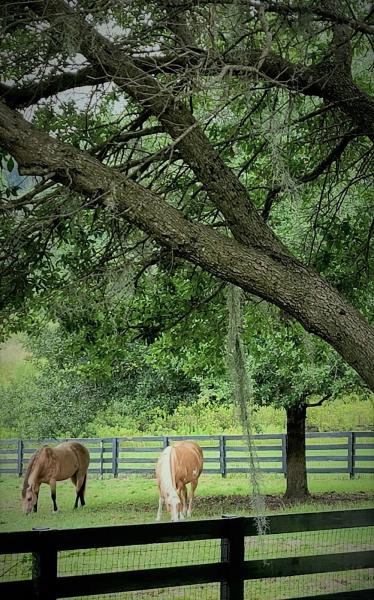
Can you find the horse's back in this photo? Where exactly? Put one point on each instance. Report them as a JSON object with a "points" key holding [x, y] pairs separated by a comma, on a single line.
{"points": [[71, 457], [82, 453], [188, 460]]}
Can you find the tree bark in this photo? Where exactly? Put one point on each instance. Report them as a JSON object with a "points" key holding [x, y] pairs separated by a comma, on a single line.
{"points": [[297, 483]]}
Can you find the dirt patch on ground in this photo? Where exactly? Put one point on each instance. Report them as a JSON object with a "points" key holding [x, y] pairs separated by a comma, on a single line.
{"points": [[274, 503]]}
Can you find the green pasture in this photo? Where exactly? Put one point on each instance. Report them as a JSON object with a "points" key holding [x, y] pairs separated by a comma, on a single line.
{"points": [[134, 500]]}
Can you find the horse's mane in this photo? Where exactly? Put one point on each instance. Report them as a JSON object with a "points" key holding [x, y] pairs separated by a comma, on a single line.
{"points": [[30, 467]]}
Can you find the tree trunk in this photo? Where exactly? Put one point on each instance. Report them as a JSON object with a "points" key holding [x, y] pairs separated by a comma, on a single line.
{"points": [[297, 483]]}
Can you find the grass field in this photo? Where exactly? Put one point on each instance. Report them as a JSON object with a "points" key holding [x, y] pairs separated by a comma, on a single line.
{"points": [[134, 500]]}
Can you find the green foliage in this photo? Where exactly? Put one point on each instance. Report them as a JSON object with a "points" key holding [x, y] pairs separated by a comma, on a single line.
{"points": [[45, 396], [54, 394], [289, 366], [41, 401]]}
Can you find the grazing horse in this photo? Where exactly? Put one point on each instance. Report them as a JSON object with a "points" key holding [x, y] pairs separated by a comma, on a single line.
{"points": [[48, 465], [178, 465]]}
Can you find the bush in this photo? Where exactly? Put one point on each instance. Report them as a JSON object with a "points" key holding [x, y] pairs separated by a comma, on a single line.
{"points": [[208, 417], [350, 412]]}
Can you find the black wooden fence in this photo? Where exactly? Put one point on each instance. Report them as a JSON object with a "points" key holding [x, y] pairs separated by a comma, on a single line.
{"points": [[333, 452], [231, 570]]}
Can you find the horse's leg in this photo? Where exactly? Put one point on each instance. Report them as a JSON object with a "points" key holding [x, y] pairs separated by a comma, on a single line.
{"points": [[183, 496], [35, 507], [160, 505], [192, 491], [82, 490], [74, 480], [52, 484], [80, 487]]}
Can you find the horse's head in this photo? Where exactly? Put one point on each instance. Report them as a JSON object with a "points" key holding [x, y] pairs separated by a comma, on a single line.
{"points": [[29, 499], [173, 505]]}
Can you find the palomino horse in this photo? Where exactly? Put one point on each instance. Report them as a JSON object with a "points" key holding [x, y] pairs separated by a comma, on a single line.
{"points": [[178, 465], [48, 465]]}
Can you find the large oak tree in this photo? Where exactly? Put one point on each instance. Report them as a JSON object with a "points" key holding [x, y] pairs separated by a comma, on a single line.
{"points": [[175, 67]]}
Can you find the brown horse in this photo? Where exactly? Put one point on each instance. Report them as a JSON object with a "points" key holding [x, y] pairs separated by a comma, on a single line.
{"points": [[48, 465], [178, 465]]}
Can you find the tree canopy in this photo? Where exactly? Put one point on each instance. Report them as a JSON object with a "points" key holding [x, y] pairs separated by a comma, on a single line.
{"points": [[235, 135]]}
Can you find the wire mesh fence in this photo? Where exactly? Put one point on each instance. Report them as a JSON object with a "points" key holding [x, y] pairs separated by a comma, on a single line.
{"points": [[15, 567], [139, 557], [266, 547], [111, 560], [308, 586], [318, 544]]}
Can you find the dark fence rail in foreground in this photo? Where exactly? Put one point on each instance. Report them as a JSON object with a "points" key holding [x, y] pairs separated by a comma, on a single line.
{"points": [[230, 572], [332, 452]]}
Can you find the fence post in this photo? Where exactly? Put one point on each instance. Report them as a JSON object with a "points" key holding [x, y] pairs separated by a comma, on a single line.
{"points": [[19, 457], [222, 454], [284, 454], [44, 567], [351, 454], [115, 457], [101, 459], [165, 441], [232, 554]]}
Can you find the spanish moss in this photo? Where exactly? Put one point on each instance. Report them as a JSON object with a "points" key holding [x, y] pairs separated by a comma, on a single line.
{"points": [[241, 384]]}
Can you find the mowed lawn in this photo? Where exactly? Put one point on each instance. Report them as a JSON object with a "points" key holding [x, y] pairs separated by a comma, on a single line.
{"points": [[134, 499]]}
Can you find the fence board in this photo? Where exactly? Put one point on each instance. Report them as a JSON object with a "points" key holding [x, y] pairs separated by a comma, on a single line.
{"points": [[17, 589], [303, 565], [336, 519]]}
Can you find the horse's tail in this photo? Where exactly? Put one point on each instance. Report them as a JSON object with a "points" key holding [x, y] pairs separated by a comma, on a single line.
{"points": [[165, 469], [173, 459], [30, 468]]}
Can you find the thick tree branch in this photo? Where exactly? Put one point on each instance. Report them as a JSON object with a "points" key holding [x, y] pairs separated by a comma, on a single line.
{"points": [[32, 93], [317, 11], [332, 157], [320, 402], [323, 80], [223, 187]]}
